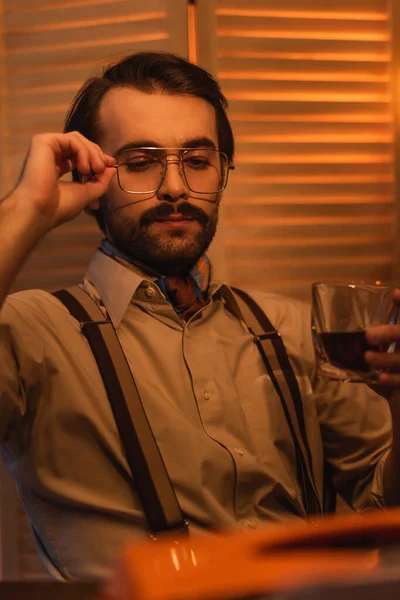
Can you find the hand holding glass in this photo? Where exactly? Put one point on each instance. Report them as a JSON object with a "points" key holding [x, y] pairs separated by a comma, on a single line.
{"points": [[341, 314]]}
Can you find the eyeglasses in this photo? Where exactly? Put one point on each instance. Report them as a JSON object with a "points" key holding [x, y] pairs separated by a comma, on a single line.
{"points": [[142, 170]]}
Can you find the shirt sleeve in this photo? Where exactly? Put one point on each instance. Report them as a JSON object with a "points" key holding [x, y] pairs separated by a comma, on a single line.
{"points": [[354, 422], [21, 358], [356, 430]]}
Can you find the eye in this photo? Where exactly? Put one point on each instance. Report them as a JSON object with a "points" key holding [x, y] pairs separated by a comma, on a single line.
{"points": [[139, 163], [196, 162]]}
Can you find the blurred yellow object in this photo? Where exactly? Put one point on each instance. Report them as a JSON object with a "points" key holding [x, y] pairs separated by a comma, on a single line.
{"points": [[271, 559]]}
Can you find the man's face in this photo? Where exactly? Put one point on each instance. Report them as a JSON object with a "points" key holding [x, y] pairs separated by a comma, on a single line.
{"points": [[169, 229]]}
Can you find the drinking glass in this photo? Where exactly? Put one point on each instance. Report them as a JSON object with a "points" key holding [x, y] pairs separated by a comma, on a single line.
{"points": [[341, 314]]}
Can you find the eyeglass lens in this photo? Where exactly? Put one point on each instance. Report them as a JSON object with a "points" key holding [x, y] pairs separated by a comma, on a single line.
{"points": [[141, 170]]}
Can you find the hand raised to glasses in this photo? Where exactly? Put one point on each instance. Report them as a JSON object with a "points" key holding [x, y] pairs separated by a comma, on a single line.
{"points": [[52, 155]]}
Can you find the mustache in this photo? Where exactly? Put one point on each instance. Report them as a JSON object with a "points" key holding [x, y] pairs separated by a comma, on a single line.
{"points": [[165, 209]]}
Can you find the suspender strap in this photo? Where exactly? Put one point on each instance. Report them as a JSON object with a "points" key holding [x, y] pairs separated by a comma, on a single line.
{"points": [[149, 473], [277, 363]]}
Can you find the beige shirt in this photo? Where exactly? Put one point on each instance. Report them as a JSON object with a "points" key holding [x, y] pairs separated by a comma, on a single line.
{"points": [[215, 414]]}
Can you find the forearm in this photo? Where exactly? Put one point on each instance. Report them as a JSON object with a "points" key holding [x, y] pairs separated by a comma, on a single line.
{"points": [[20, 231]]}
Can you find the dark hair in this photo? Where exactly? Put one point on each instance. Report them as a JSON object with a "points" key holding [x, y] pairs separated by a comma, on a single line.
{"points": [[148, 72]]}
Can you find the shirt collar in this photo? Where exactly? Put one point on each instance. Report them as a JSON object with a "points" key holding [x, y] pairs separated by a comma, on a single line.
{"points": [[116, 284], [200, 272]]}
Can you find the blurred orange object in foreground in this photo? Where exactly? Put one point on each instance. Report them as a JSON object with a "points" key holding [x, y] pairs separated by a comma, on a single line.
{"points": [[271, 559]]}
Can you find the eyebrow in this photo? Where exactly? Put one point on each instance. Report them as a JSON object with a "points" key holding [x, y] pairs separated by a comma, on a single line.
{"points": [[198, 142]]}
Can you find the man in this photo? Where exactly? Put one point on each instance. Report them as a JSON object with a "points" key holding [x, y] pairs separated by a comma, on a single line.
{"points": [[214, 412]]}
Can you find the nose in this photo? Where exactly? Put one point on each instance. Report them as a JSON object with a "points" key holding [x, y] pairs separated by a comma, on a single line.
{"points": [[173, 187]]}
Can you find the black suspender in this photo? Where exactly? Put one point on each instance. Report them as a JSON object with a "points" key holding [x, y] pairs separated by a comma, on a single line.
{"points": [[149, 474], [276, 361]]}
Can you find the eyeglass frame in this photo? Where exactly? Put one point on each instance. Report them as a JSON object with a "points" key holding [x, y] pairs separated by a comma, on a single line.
{"points": [[230, 167]]}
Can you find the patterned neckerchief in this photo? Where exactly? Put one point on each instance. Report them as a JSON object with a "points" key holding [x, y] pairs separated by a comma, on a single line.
{"points": [[187, 294]]}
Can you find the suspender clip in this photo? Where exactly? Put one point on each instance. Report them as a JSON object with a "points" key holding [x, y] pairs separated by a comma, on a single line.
{"points": [[181, 530], [83, 324], [265, 336]]}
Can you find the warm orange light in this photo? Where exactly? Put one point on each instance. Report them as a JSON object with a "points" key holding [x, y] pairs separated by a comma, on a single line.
{"points": [[324, 241], [378, 56], [313, 179], [76, 24], [299, 96], [306, 76], [318, 34], [287, 221], [320, 200], [320, 158], [311, 260], [321, 138], [304, 14], [367, 118], [102, 43], [192, 32], [54, 4], [48, 109]]}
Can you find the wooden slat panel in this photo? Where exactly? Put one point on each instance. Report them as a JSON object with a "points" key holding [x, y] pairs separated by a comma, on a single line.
{"points": [[61, 14], [293, 28], [26, 6], [340, 247], [309, 86], [367, 9], [62, 257], [323, 68], [294, 279], [254, 47], [85, 36], [93, 53]]}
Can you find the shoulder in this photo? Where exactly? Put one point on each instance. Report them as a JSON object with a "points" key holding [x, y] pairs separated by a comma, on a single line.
{"points": [[32, 309], [291, 318], [32, 301], [35, 325], [283, 311]]}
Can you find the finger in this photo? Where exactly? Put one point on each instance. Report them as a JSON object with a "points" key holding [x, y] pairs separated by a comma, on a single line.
{"points": [[85, 156], [72, 148], [50, 156], [109, 160], [389, 379], [99, 160], [65, 165], [383, 360], [383, 334], [97, 186]]}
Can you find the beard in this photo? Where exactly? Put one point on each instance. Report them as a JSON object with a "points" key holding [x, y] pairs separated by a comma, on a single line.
{"points": [[171, 253]]}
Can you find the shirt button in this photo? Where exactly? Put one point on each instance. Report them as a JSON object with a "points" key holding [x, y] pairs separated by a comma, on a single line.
{"points": [[206, 395], [149, 292], [238, 451]]}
